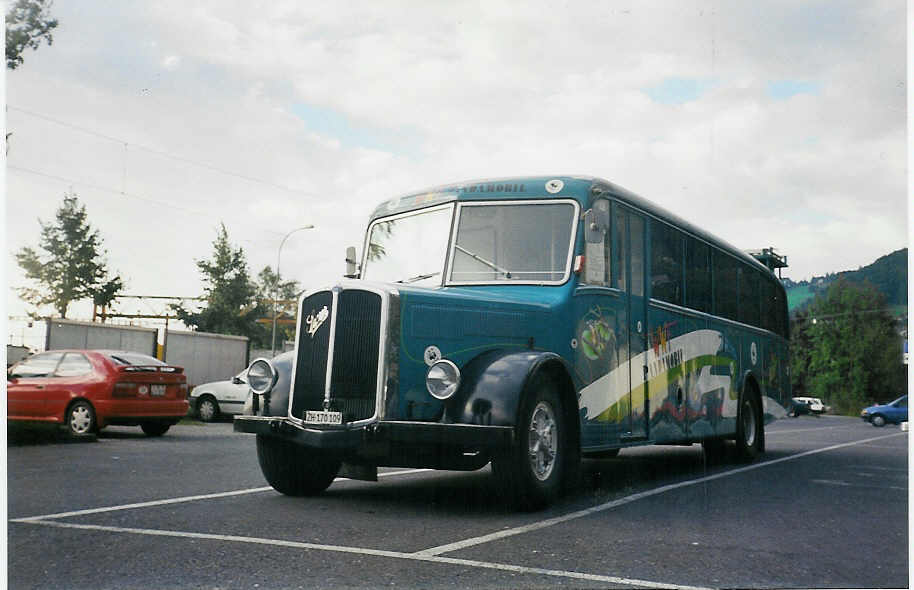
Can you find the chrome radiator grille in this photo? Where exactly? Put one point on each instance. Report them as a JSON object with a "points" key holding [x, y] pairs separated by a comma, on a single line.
{"points": [[353, 318]]}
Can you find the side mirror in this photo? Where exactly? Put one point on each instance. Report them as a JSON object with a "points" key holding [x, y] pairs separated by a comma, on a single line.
{"points": [[596, 222], [237, 380], [352, 269]]}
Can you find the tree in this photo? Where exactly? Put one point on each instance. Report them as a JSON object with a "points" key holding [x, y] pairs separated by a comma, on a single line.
{"points": [[800, 350], [27, 23], [231, 297], [71, 266], [270, 287], [846, 348]]}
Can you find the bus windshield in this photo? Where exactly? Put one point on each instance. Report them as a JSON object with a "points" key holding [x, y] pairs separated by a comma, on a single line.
{"points": [[495, 243], [519, 242], [409, 248]]}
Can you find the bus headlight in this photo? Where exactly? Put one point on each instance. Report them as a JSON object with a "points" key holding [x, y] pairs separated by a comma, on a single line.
{"points": [[442, 379], [261, 376]]}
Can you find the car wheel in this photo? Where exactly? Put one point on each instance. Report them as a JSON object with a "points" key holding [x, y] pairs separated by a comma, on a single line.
{"points": [[81, 419], [207, 409], [530, 473], [155, 428], [878, 420], [294, 470], [749, 427]]}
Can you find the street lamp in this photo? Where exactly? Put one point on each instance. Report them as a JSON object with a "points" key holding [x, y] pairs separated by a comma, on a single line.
{"points": [[276, 288]]}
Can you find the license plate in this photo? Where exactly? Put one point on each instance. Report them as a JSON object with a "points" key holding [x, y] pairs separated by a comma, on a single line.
{"points": [[317, 417], [158, 390]]}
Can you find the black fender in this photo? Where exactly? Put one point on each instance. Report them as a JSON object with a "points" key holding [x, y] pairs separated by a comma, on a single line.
{"points": [[750, 379], [493, 383]]}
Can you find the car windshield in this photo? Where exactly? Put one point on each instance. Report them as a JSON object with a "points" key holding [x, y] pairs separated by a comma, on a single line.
{"points": [[409, 248], [520, 242]]}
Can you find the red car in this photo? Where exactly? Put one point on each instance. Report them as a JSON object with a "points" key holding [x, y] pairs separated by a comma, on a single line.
{"points": [[89, 389]]}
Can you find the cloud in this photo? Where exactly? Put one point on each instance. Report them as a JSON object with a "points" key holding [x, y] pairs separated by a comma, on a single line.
{"points": [[770, 124], [171, 62]]}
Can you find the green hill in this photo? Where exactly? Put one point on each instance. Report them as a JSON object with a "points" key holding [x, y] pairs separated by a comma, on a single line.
{"points": [[888, 274], [799, 296]]}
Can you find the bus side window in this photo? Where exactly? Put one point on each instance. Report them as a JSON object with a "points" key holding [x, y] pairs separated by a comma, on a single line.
{"points": [[749, 296], [666, 263], [598, 255], [726, 279], [636, 229], [619, 248], [771, 306], [698, 275]]}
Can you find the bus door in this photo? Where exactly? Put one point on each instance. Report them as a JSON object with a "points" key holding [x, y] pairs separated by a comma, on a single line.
{"points": [[632, 236]]}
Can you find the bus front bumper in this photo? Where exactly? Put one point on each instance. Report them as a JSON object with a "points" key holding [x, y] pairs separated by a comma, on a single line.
{"points": [[483, 438]]}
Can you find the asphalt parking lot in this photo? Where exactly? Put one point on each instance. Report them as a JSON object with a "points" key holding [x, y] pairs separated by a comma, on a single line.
{"points": [[827, 506]]}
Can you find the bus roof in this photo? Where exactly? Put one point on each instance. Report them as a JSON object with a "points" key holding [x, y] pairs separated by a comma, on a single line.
{"points": [[581, 188]]}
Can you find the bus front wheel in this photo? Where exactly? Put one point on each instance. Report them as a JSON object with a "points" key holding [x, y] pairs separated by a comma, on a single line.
{"points": [[530, 473], [292, 470]]}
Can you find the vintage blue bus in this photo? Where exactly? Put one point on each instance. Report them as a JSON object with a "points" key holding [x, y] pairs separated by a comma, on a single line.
{"points": [[526, 322]]}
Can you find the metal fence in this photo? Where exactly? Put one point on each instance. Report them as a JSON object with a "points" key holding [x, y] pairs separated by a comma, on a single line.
{"points": [[206, 357], [75, 334]]}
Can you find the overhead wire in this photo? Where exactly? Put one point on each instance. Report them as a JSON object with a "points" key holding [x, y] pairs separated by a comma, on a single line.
{"points": [[105, 189], [160, 153], [122, 191], [108, 189]]}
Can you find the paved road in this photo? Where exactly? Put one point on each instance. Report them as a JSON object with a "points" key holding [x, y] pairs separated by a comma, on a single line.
{"points": [[826, 507]]}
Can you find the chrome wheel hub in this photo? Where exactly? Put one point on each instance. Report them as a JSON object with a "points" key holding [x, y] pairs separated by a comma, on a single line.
{"points": [[80, 420], [543, 441], [207, 411], [749, 426]]}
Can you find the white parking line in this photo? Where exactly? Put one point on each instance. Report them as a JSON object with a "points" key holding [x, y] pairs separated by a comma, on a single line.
{"points": [[182, 499], [373, 552], [141, 505], [877, 468], [834, 482], [628, 499], [770, 432]]}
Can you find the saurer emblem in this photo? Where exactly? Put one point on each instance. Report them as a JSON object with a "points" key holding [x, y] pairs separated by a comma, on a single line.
{"points": [[316, 321]]}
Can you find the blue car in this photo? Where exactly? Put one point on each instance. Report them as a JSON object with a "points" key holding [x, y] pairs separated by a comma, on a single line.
{"points": [[895, 412]]}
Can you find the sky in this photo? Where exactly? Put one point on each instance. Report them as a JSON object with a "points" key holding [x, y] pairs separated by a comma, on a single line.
{"points": [[775, 123]]}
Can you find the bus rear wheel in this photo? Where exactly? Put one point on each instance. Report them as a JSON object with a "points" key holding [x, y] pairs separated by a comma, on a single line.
{"points": [[714, 449], [749, 428]]}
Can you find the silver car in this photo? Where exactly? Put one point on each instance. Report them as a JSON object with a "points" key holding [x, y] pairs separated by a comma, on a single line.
{"points": [[211, 400]]}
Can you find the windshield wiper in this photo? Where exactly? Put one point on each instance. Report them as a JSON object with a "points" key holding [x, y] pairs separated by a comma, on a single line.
{"points": [[491, 265], [419, 278]]}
